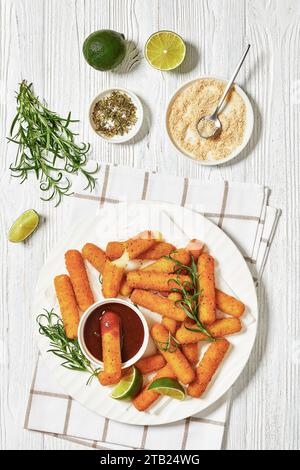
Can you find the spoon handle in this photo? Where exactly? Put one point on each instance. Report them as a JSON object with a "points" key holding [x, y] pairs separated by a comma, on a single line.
{"points": [[237, 69]]}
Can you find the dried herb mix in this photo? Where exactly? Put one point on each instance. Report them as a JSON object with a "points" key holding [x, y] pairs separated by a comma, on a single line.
{"points": [[115, 114]]}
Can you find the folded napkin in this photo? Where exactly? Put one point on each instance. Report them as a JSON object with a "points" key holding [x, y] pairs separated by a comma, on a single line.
{"points": [[242, 211]]}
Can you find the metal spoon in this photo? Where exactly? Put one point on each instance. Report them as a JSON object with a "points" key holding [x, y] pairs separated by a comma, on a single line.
{"points": [[209, 126]]}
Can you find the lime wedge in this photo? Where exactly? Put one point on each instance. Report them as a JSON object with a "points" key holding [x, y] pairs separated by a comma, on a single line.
{"points": [[24, 226], [129, 386], [169, 387], [165, 50]]}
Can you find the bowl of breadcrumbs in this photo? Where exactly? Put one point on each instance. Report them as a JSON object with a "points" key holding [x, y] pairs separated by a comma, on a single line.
{"points": [[199, 98]]}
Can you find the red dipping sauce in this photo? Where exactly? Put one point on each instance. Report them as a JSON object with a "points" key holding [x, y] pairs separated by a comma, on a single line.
{"points": [[132, 330]]}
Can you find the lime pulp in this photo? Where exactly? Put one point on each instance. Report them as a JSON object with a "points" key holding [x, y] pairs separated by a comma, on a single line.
{"points": [[168, 387], [129, 386], [24, 226], [165, 50]]}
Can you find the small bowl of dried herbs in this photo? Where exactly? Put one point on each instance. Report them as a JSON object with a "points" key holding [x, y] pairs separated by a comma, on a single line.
{"points": [[116, 115]]}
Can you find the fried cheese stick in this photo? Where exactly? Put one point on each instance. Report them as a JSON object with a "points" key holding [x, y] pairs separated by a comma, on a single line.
{"points": [[110, 327], [158, 250], [180, 365], [112, 277], [115, 249], [156, 281], [68, 305], [191, 352], [134, 246], [150, 364], [228, 304], [125, 289], [170, 324], [80, 282], [218, 329], [207, 367], [175, 296], [206, 279], [162, 265], [165, 265], [94, 255], [158, 304]]}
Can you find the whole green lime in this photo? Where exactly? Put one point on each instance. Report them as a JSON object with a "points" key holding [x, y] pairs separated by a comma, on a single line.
{"points": [[104, 49]]}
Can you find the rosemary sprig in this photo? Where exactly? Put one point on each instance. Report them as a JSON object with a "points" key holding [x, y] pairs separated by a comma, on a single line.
{"points": [[171, 345], [46, 147], [51, 326], [190, 293]]}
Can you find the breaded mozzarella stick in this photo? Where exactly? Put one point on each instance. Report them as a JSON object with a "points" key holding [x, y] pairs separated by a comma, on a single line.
{"points": [[206, 280], [94, 255], [151, 280], [208, 366], [158, 304], [110, 327], [68, 305], [180, 365], [80, 282], [218, 329], [228, 304]]}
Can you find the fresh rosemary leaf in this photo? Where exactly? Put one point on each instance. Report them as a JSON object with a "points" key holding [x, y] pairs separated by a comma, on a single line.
{"points": [[171, 345], [46, 147], [51, 326]]}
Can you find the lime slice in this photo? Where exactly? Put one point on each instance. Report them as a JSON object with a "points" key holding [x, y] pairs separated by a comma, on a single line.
{"points": [[165, 50], [129, 386], [24, 226], [169, 387]]}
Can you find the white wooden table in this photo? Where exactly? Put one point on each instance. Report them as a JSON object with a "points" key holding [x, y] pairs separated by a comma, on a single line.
{"points": [[41, 41]]}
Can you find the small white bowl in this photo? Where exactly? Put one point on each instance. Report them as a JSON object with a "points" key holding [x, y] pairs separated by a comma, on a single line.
{"points": [[82, 323], [119, 139], [248, 130]]}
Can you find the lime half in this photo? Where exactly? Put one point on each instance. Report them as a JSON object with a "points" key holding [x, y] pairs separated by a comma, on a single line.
{"points": [[129, 386], [165, 50], [24, 226], [169, 387]]}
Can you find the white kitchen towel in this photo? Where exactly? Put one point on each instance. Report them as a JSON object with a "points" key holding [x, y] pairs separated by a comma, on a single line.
{"points": [[241, 210]]}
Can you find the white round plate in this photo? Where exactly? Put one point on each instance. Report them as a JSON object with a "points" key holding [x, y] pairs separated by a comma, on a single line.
{"points": [[118, 222], [248, 130], [119, 139]]}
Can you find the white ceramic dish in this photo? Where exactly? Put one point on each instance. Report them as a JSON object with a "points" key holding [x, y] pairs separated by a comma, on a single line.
{"points": [[248, 130], [232, 276], [84, 318], [135, 129]]}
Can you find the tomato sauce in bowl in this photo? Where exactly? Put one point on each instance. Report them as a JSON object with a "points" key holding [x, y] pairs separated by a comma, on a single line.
{"points": [[134, 331]]}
